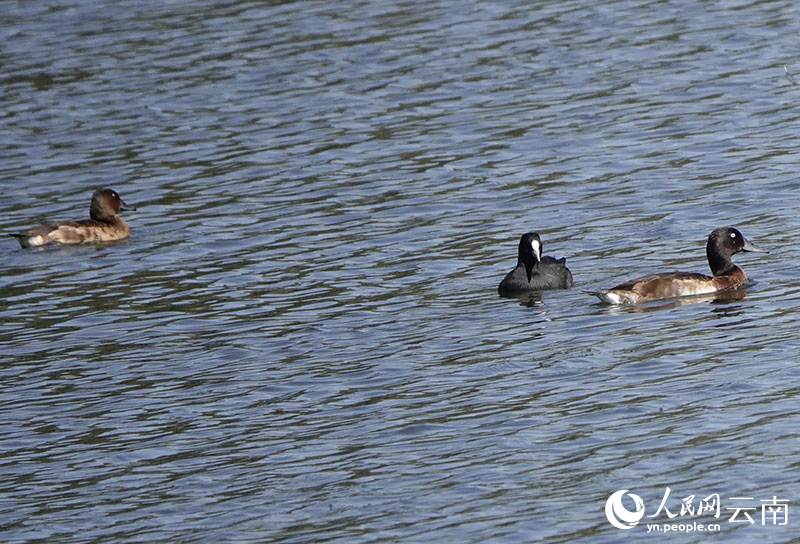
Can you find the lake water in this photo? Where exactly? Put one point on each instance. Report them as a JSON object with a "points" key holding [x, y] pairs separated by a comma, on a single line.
{"points": [[302, 340]]}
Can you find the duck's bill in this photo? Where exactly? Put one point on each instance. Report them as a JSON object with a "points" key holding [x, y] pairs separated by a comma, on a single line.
{"points": [[752, 247], [125, 207], [536, 247]]}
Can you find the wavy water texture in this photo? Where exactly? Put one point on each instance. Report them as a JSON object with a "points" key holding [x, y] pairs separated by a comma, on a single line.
{"points": [[302, 342]]}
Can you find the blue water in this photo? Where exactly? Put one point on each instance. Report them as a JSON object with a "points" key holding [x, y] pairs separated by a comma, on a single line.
{"points": [[302, 341]]}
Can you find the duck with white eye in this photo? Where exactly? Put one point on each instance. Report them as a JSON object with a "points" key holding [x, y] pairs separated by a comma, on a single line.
{"points": [[103, 225], [533, 271], [722, 244]]}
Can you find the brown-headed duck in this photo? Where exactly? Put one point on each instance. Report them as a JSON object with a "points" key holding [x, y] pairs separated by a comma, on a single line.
{"points": [[722, 244], [534, 272], [104, 226]]}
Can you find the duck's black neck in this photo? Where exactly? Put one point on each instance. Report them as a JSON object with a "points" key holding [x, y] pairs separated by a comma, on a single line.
{"points": [[527, 260], [720, 264]]}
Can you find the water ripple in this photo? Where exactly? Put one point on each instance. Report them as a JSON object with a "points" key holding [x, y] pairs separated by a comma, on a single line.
{"points": [[301, 340]]}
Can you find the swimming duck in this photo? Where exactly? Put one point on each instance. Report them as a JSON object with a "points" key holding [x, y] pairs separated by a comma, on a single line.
{"points": [[722, 244], [104, 226], [534, 272]]}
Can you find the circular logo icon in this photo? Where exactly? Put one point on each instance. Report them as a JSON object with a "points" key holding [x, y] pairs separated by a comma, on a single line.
{"points": [[619, 516]]}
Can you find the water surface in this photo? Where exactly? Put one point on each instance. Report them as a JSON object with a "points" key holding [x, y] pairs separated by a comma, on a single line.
{"points": [[302, 342]]}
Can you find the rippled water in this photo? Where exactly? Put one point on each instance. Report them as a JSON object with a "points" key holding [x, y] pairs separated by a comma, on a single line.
{"points": [[302, 341]]}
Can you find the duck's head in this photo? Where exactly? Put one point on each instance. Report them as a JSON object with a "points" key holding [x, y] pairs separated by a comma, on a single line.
{"points": [[722, 244], [530, 252], [106, 203]]}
